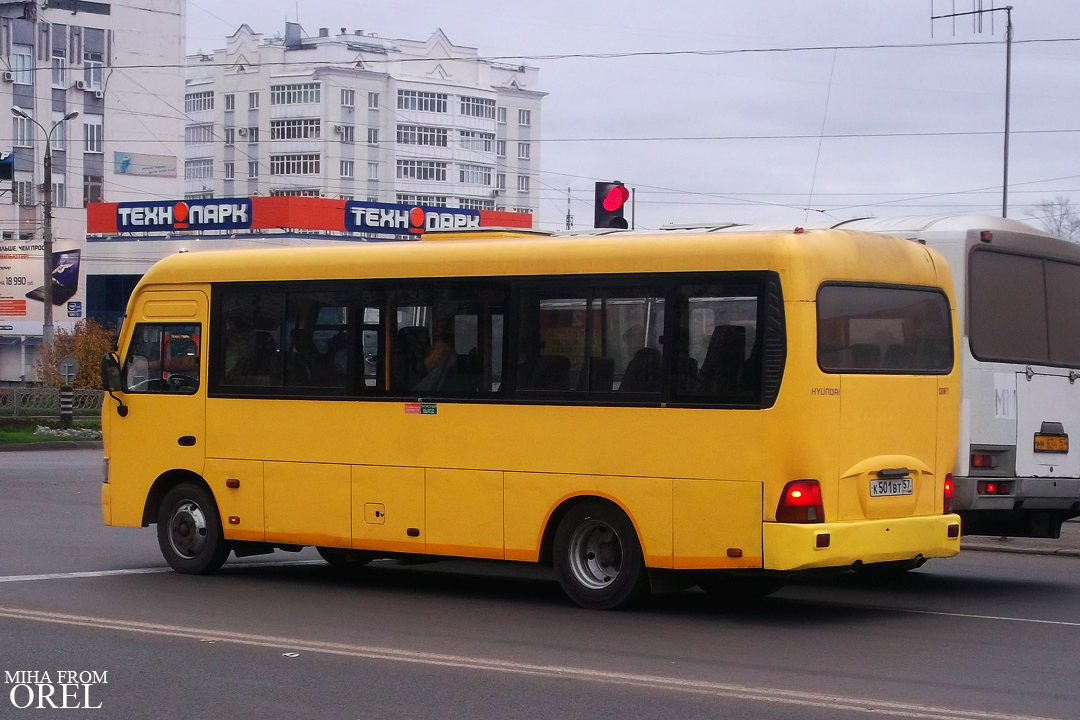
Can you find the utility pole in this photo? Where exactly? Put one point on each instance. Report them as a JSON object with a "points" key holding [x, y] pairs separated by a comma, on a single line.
{"points": [[47, 285], [977, 13], [569, 217]]}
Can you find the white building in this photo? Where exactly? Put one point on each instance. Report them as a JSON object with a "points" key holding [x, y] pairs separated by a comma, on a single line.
{"points": [[118, 64], [356, 116]]}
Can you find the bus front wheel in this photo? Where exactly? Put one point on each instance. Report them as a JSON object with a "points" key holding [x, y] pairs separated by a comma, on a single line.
{"points": [[598, 558], [189, 531]]}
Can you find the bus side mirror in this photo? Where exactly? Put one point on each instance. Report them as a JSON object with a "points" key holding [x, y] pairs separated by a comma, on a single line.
{"points": [[111, 380], [110, 373]]}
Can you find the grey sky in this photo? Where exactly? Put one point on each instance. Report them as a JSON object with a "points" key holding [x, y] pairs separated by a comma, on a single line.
{"points": [[919, 90]]}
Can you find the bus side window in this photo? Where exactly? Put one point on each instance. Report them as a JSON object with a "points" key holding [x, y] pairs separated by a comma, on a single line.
{"points": [[163, 359]]}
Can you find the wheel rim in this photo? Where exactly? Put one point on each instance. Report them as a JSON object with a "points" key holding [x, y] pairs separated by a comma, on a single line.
{"points": [[596, 554], [187, 530]]}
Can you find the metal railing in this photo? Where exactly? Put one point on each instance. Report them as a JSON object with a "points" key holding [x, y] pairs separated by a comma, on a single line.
{"points": [[45, 402]]}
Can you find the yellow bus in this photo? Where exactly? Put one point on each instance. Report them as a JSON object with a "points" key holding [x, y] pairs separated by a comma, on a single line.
{"points": [[726, 408]]}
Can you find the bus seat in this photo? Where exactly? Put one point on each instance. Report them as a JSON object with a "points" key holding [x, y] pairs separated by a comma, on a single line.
{"points": [[601, 373], [686, 372], [644, 372], [865, 355], [723, 360], [407, 357], [551, 372]]}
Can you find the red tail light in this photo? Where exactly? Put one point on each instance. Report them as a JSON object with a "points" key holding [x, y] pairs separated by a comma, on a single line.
{"points": [[801, 503], [948, 493]]}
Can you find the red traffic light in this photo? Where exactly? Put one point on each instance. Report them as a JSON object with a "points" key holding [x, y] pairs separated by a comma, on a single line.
{"points": [[616, 198]]}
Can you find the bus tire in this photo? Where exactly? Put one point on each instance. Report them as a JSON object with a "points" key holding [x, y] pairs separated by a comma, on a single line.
{"points": [[598, 559], [344, 558], [737, 590], [189, 531]]}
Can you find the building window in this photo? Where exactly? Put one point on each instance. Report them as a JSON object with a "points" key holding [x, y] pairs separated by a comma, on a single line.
{"points": [[22, 132], [230, 171], [92, 189], [421, 170], [253, 134], [373, 136], [478, 107], [93, 134], [59, 133], [502, 116], [295, 164], [230, 136], [253, 169], [500, 181], [421, 135], [59, 191], [253, 101], [297, 94], [295, 192], [523, 210], [525, 117], [373, 101], [476, 203], [373, 171], [479, 141], [198, 101], [348, 133], [425, 200], [523, 151], [347, 168], [201, 195], [202, 169], [422, 101], [59, 69], [348, 98], [22, 192], [230, 102], [500, 148], [22, 64], [301, 129], [92, 70], [474, 175], [523, 183], [198, 134]]}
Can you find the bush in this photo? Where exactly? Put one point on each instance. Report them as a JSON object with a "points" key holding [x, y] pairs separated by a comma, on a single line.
{"points": [[86, 343]]}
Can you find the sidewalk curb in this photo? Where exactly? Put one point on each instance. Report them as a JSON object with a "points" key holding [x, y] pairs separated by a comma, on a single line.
{"points": [[988, 547], [56, 445]]}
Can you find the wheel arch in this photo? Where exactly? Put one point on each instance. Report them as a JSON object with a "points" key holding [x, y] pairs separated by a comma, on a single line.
{"points": [[551, 525], [164, 483]]}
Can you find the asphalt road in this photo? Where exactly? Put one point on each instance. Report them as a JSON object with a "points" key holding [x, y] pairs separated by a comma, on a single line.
{"points": [[985, 635]]}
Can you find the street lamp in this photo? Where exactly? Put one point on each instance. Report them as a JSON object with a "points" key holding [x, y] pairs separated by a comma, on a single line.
{"points": [[47, 319]]}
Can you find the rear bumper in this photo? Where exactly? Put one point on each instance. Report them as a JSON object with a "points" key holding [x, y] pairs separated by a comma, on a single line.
{"points": [[1041, 493], [790, 546]]}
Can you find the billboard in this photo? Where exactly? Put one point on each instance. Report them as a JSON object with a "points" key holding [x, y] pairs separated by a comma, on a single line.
{"points": [[126, 163], [22, 287]]}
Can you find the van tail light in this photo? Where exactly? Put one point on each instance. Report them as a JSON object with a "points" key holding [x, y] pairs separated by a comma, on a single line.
{"points": [[948, 493], [801, 503]]}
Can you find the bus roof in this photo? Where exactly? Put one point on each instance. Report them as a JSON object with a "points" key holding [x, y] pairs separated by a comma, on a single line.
{"points": [[805, 258]]}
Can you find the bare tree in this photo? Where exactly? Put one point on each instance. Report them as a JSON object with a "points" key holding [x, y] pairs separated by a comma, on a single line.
{"points": [[1058, 217]]}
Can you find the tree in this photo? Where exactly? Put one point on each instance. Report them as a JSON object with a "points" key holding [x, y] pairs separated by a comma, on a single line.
{"points": [[86, 343], [1058, 217]]}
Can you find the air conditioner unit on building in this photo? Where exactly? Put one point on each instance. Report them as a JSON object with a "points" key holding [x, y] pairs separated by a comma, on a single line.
{"points": [[494, 193], [242, 132], [9, 76], [99, 94], [80, 85], [339, 128]]}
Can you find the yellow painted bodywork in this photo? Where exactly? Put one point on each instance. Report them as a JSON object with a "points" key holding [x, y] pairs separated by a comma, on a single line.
{"points": [[700, 485]]}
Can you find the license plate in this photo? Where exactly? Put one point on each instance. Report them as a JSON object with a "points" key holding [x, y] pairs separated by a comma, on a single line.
{"points": [[888, 488], [1051, 443]]}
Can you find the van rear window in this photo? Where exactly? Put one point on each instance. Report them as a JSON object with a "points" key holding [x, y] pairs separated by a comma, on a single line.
{"points": [[883, 330]]}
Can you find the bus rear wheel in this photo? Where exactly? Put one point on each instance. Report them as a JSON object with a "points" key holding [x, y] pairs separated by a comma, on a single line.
{"points": [[189, 531], [598, 558]]}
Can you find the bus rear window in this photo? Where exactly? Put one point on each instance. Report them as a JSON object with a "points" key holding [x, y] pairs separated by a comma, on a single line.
{"points": [[883, 330]]}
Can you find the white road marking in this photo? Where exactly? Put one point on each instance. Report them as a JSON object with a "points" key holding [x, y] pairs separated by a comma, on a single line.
{"points": [[141, 571], [1002, 618], [700, 687]]}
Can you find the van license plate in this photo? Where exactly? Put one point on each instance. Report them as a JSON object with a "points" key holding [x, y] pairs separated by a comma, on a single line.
{"points": [[887, 488], [1051, 443]]}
